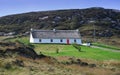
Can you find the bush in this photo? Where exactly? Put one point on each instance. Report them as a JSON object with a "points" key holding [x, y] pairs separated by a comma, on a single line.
{"points": [[57, 50], [8, 66], [92, 65], [18, 63], [77, 47], [30, 45]]}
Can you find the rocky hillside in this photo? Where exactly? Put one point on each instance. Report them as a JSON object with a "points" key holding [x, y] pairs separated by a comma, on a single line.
{"points": [[10, 49], [17, 58], [106, 22]]}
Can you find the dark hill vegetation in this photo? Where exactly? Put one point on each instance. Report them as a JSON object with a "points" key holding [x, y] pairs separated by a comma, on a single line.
{"points": [[106, 21], [18, 49]]}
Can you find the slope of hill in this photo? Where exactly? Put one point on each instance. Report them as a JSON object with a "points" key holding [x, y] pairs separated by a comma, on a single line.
{"points": [[17, 58], [106, 22]]}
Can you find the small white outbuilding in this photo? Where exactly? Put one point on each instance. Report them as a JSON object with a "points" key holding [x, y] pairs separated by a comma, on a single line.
{"points": [[55, 36]]}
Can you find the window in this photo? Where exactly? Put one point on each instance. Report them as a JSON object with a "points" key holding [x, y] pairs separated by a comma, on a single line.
{"points": [[40, 40], [61, 40], [75, 40], [51, 40]]}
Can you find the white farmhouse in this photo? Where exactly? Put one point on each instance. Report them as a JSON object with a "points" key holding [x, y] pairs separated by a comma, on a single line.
{"points": [[55, 36]]}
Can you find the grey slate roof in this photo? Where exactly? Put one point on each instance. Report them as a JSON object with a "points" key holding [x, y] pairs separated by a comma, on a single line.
{"points": [[52, 34]]}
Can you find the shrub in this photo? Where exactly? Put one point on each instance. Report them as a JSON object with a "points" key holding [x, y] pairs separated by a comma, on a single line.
{"points": [[77, 47], [57, 50], [84, 64], [18, 63], [31, 46], [92, 65], [8, 66], [78, 61]]}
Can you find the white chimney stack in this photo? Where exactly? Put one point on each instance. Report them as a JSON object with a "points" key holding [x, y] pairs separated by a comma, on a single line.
{"points": [[31, 29], [54, 30], [77, 30]]}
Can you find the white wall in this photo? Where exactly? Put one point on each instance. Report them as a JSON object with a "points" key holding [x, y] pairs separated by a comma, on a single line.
{"points": [[78, 41], [31, 38], [71, 41]]}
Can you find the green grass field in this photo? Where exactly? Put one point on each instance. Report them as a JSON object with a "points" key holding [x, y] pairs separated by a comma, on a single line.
{"points": [[106, 46], [69, 50]]}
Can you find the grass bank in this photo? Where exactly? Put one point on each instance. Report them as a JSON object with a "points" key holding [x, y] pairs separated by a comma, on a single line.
{"points": [[105, 46], [69, 50]]}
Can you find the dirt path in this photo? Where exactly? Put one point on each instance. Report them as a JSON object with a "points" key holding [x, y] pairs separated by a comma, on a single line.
{"points": [[2, 38], [106, 49]]}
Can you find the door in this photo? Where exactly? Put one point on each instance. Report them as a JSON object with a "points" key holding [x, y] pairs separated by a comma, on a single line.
{"points": [[68, 42]]}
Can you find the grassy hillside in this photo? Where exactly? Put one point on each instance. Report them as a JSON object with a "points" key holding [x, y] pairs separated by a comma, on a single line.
{"points": [[67, 60], [69, 50], [46, 66]]}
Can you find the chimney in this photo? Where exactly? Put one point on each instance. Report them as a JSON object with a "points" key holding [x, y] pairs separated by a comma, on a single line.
{"points": [[54, 30], [77, 30], [31, 29]]}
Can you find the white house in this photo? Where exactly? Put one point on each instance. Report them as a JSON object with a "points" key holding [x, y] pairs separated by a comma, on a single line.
{"points": [[55, 36]]}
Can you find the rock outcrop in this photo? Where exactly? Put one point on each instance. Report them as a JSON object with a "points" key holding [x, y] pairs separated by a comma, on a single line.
{"points": [[10, 49]]}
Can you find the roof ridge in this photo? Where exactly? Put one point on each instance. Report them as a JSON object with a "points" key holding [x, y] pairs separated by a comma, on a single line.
{"points": [[55, 30]]}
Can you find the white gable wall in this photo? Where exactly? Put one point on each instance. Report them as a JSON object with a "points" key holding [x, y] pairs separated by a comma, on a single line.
{"points": [[31, 38]]}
